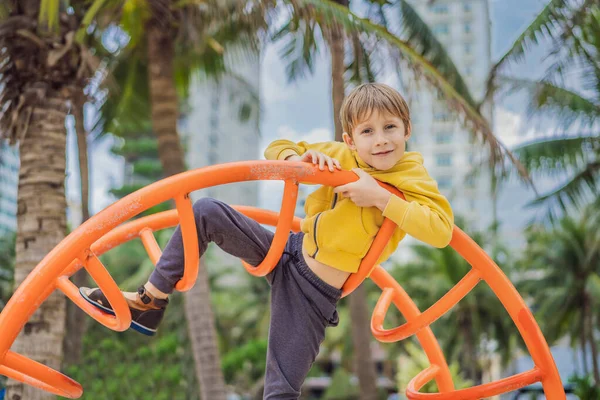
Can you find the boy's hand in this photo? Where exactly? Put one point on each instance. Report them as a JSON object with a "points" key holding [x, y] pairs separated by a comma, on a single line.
{"points": [[317, 158], [365, 192]]}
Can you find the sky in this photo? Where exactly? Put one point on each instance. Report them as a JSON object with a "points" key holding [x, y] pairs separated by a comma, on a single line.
{"points": [[282, 102]]}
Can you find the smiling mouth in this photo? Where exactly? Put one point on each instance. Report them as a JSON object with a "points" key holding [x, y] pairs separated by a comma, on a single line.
{"points": [[383, 153]]}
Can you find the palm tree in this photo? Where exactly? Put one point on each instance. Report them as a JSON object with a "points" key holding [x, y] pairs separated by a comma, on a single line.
{"points": [[561, 270], [477, 318], [569, 92], [363, 68], [41, 63], [179, 42]]}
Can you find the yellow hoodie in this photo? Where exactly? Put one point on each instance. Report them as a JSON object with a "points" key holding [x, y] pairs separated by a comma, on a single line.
{"points": [[338, 233]]}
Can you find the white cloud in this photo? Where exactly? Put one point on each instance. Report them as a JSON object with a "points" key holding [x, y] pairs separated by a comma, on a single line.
{"points": [[512, 129], [274, 88]]}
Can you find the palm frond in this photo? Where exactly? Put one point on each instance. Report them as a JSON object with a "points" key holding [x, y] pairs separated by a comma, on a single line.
{"points": [[546, 24], [422, 39], [576, 192], [326, 11], [546, 98], [363, 67], [553, 155], [49, 11], [299, 48]]}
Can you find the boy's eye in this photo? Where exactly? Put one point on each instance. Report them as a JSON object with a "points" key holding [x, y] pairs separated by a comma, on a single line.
{"points": [[368, 130], [391, 126]]}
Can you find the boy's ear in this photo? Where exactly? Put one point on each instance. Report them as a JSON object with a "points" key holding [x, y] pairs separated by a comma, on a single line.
{"points": [[408, 132], [348, 140]]}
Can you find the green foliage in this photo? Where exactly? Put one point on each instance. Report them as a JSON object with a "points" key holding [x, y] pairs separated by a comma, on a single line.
{"points": [[127, 365], [7, 267], [560, 270], [144, 147], [150, 169], [415, 361], [584, 387], [341, 387], [569, 93], [245, 365], [476, 319]]}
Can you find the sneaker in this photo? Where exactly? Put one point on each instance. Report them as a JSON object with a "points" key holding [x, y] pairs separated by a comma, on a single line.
{"points": [[145, 317]]}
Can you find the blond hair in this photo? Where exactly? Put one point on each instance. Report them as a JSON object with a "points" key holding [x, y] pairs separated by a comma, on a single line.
{"points": [[366, 98]]}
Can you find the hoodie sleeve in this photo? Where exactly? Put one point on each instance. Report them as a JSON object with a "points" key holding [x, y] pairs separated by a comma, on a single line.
{"points": [[425, 214], [281, 149]]}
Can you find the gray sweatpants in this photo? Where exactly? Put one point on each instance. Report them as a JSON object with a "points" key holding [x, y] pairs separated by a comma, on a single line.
{"points": [[302, 305]]}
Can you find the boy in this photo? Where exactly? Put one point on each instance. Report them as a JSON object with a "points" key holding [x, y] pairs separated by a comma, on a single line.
{"points": [[337, 232]]}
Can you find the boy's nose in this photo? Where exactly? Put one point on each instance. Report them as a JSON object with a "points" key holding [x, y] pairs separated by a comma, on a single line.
{"points": [[381, 139]]}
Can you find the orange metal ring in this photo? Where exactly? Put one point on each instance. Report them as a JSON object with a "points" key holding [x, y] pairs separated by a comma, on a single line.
{"points": [[33, 373], [284, 225], [473, 393], [441, 307], [102, 232]]}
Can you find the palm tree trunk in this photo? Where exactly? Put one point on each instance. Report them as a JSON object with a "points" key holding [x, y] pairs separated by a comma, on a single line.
{"points": [[163, 97], [583, 340], [336, 46], [364, 366], [592, 339], [361, 338], [41, 225], [470, 351], [76, 323], [165, 112], [206, 354]]}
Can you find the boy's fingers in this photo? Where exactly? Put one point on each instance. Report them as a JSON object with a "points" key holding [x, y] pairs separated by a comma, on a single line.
{"points": [[339, 189], [321, 162], [330, 163]]}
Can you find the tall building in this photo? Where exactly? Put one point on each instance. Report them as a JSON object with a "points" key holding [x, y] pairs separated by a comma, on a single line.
{"points": [[222, 125], [451, 155], [9, 178]]}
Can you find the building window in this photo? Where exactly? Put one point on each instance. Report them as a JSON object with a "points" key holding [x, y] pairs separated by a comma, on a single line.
{"points": [[213, 140], [212, 157], [440, 29], [441, 117], [443, 160], [444, 182], [214, 120], [468, 48], [443, 137], [470, 181], [440, 9], [467, 7], [467, 28]]}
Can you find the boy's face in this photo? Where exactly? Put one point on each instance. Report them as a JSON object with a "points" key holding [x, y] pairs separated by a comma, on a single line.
{"points": [[380, 140]]}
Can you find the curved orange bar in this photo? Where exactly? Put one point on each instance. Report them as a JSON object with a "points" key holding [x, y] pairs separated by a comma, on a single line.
{"points": [[545, 370], [102, 232], [441, 307], [189, 234], [473, 393], [33, 373], [516, 308], [284, 225], [425, 336]]}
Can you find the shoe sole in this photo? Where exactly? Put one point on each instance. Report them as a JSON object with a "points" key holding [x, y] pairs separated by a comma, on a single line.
{"points": [[134, 325]]}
